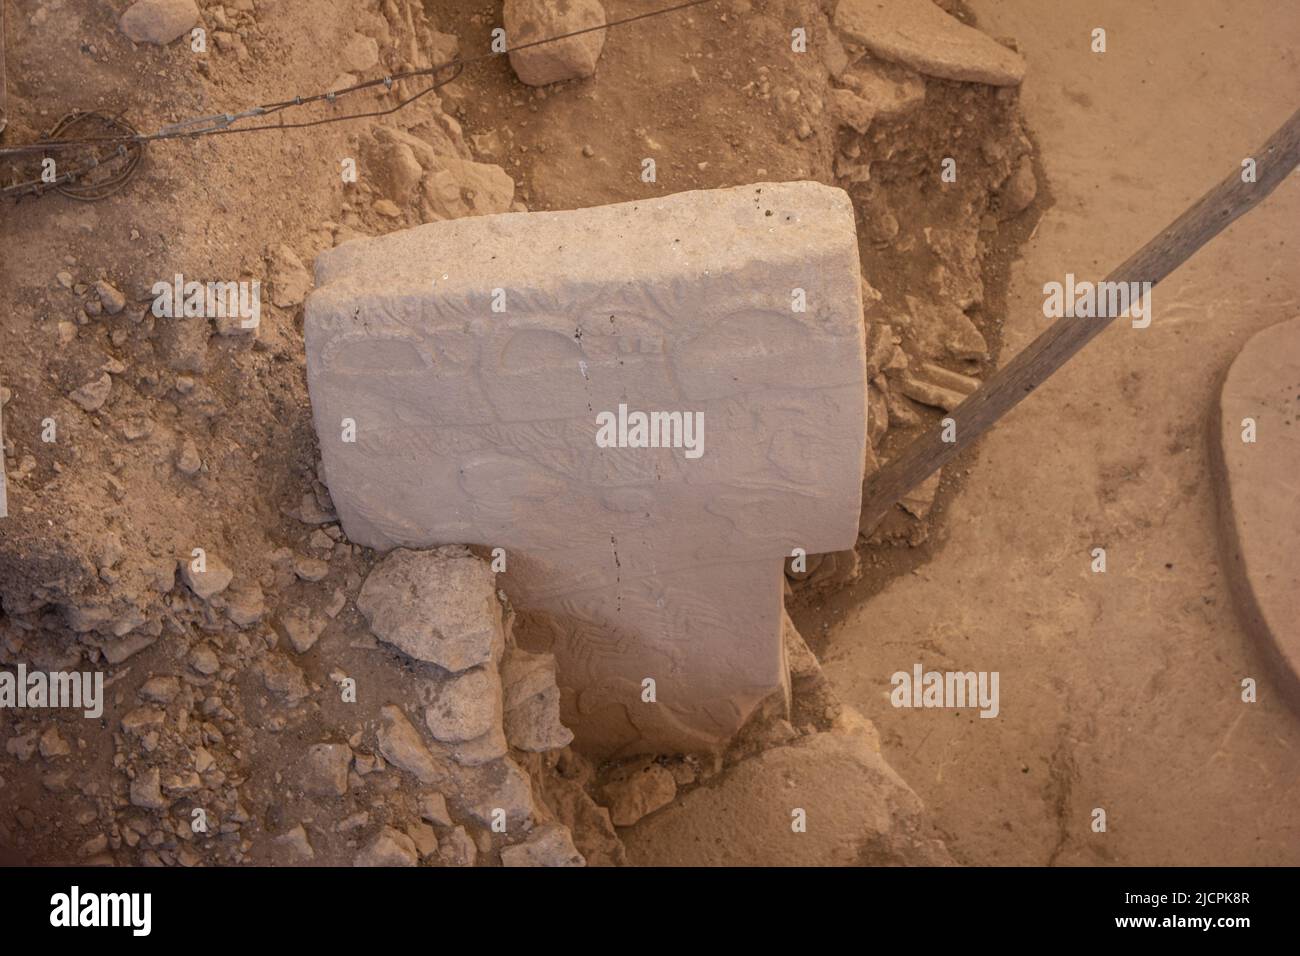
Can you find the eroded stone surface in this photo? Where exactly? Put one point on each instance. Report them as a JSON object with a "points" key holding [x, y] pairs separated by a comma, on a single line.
{"points": [[477, 426], [1260, 491]]}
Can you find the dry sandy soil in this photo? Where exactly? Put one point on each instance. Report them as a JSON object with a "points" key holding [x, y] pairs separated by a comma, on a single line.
{"points": [[1121, 690]]}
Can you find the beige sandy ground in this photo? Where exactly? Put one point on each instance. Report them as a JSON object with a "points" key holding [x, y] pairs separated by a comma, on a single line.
{"points": [[1119, 690]]}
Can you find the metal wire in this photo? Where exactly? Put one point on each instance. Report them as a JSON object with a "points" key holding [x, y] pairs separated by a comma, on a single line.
{"points": [[115, 168]]}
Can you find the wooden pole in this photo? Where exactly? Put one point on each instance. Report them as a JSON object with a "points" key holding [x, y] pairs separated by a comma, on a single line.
{"points": [[1209, 216]]}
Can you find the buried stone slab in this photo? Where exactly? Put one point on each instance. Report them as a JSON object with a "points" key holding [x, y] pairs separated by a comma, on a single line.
{"points": [[1257, 458], [919, 34], [491, 381]]}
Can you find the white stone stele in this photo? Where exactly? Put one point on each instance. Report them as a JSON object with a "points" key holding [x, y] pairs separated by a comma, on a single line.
{"points": [[479, 427]]}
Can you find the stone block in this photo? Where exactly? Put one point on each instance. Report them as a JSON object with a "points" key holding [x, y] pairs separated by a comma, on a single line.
{"points": [[461, 374]]}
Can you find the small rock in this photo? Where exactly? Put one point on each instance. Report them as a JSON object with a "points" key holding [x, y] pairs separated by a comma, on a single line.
{"points": [[311, 512], [284, 678], [928, 393], [498, 786], [245, 604], [211, 581], [942, 329], [158, 21], [529, 20], [110, 298], [401, 746], [353, 822], [919, 500], [433, 807], [337, 603], [394, 169], [160, 690], [481, 750], [142, 720], [532, 702], [834, 55], [92, 396], [96, 844], [890, 90], [425, 840], [387, 208], [851, 110], [457, 849], [365, 764], [464, 707], [53, 745], [548, 845], [301, 627], [455, 188], [883, 227], [438, 606], [297, 843], [137, 427], [180, 784], [310, 569], [326, 769], [320, 542], [289, 278], [593, 831], [390, 848], [203, 760], [965, 384], [1020, 190], [204, 660], [639, 792], [146, 790]]}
